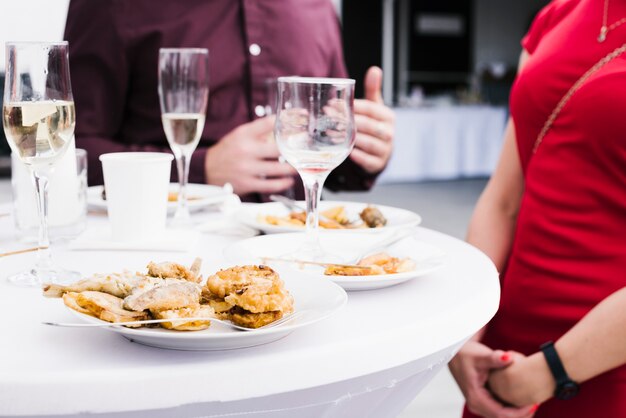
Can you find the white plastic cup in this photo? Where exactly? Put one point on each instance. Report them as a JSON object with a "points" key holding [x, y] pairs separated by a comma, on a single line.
{"points": [[136, 186]]}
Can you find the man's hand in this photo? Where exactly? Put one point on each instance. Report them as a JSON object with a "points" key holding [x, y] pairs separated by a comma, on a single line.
{"points": [[471, 368], [374, 125], [247, 160]]}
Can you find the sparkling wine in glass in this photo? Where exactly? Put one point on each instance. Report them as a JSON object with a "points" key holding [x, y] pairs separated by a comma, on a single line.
{"points": [[315, 133], [38, 117], [184, 94]]}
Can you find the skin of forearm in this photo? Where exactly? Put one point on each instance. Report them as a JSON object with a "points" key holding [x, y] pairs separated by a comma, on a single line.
{"points": [[493, 241], [492, 226], [596, 344], [491, 231]]}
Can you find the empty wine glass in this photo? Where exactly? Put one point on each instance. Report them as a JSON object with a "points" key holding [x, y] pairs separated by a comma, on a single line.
{"points": [[271, 89], [315, 132], [184, 94], [39, 118]]}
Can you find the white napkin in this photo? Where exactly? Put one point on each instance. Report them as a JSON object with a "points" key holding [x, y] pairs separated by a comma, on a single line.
{"points": [[99, 238]]}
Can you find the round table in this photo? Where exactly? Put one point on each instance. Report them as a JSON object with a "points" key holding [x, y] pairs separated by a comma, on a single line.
{"points": [[369, 359]]}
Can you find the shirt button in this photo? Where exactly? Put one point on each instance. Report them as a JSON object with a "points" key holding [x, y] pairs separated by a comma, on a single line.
{"points": [[254, 50], [259, 111]]}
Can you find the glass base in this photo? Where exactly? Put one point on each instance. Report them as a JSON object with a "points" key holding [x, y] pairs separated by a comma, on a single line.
{"points": [[36, 277], [181, 219], [312, 252]]}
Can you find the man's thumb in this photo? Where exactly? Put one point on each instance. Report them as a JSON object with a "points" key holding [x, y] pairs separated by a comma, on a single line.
{"points": [[374, 84]]}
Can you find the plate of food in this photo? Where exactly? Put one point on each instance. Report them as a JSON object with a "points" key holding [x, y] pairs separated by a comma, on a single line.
{"points": [[250, 296], [335, 216], [358, 262], [200, 196]]}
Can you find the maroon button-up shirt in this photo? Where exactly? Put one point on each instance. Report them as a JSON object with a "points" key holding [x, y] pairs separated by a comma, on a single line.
{"points": [[114, 49]]}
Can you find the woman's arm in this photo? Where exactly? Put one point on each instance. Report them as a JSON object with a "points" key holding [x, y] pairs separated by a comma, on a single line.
{"points": [[491, 229], [596, 344], [492, 225], [493, 222]]}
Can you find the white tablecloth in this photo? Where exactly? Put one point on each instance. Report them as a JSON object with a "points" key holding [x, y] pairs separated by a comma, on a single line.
{"points": [[445, 142], [368, 360]]}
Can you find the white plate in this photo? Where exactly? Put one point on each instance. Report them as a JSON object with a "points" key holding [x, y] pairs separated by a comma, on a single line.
{"points": [[249, 215], [315, 300], [204, 195], [344, 246]]}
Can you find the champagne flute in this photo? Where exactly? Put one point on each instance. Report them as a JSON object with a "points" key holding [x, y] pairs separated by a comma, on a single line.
{"points": [[184, 94], [315, 132], [39, 118]]}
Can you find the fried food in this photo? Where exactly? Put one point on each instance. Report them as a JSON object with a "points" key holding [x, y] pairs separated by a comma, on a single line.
{"points": [[103, 306], [280, 220], [389, 264], [169, 296], [336, 213], [250, 296], [254, 320], [335, 270], [69, 299], [261, 297], [219, 305], [234, 279], [335, 217], [116, 284], [380, 263], [125, 283], [200, 311], [373, 217], [169, 270], [173, 197]]}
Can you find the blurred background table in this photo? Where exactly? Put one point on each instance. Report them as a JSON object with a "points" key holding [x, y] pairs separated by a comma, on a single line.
{"points": [[368, 360], [445, 142]]}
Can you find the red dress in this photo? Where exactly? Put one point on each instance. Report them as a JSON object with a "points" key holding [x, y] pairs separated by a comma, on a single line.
{"points": [[569, 250]]}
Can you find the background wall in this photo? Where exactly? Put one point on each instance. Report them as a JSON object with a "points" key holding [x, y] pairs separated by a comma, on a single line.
{"points": [[31, 20], [500, 25]]}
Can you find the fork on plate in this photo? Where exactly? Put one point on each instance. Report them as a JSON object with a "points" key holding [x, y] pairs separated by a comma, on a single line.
{"points": [[278, 322]]}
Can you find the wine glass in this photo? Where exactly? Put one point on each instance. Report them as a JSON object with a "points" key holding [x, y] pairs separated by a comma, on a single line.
{"points": [[315, 132], [271, 89], [39, 118], [184, 94]]}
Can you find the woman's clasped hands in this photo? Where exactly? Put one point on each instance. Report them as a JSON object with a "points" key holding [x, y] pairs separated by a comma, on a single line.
{"points": [[501, 384]]}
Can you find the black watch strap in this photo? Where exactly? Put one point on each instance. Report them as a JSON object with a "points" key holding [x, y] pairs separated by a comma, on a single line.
{"points": [[566, 388]]}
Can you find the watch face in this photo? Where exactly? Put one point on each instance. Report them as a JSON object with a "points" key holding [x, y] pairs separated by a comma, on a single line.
{"points": [[567, 391]]}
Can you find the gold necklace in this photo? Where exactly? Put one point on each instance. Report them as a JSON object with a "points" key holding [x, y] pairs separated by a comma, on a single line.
{"points": [[604, 29]]}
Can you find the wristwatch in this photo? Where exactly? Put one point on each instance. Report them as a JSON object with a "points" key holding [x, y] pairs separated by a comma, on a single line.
{"points": [[566, 388]]}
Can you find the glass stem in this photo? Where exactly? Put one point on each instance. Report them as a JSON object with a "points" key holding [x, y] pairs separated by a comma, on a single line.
{"points": [[182, 164], [44, 258], [313, 184]]}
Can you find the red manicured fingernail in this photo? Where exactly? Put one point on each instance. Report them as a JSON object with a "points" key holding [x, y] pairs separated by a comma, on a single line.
{"points": [[505, 357], [534, 407]]}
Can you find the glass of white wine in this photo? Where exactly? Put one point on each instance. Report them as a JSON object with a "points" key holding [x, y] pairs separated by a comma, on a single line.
{"points": [[315, 133], [184, 94], [39, 118]]}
